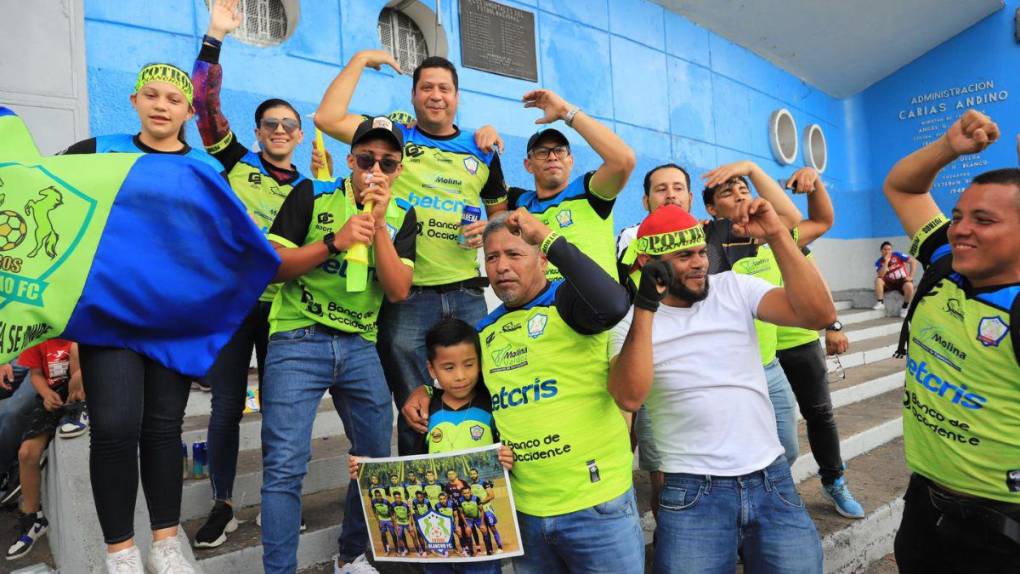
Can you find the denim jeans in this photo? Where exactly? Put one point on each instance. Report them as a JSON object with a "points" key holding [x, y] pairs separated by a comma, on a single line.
{"points": [[301, 366], [805, 368], [604, 538], [228, 378], [13, 412], [783, 403], [402, 329], [704, 520], [136, 407]]}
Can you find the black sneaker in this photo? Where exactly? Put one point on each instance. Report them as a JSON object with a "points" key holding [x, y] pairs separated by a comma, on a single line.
{"points": [[31, 527], [214, 532], [10, 486]]}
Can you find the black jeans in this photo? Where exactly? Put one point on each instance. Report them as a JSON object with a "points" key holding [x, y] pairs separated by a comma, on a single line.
{"points": [[805, 368], [136, 407], [929, 541], [228, 378]]}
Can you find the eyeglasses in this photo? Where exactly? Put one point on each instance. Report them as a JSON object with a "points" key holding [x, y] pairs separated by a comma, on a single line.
{"points": [[542, 153], [838, 374], [367, 161], [271, 124]]}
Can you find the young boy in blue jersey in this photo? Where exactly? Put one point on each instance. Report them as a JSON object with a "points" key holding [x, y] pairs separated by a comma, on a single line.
{"points": [[458, 403]]}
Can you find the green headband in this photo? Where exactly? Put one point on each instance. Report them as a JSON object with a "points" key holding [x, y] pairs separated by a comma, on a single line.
{"points": [[671, 241], [166, 73]]}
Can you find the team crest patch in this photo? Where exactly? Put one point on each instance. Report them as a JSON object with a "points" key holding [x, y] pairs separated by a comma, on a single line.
{"points": [[536, 325], [436, 434], [565, 218], [991, 331], [437, 529], [476, 432], [471, 165]]}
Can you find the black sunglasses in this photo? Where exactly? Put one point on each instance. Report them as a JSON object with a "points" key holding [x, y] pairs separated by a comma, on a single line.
{"points": [[366, 161], [271, 124]]}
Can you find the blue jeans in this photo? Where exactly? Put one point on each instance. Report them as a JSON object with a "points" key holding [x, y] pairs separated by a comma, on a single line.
{"points": [[13, 412], [228, 378], [301, 365], [604, 538], [704, 520], [402, 329], [784, 404]]}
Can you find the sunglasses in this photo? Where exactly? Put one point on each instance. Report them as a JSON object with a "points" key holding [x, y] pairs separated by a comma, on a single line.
{"points": [[367, 161], [271, 124]]}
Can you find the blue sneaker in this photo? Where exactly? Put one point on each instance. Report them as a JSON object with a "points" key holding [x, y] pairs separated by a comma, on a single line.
{"points": [[839, 494], [31, 527]]}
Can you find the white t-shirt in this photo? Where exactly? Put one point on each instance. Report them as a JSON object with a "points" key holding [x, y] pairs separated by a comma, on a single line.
{"points": [[709, 404]]}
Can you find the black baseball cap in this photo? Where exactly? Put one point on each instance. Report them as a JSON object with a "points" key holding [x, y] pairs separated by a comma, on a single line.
{"points": [[379, 126], [550, 133]]}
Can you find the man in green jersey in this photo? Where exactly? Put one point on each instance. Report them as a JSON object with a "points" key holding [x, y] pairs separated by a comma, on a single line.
{"points": [[432, 487], [446, 176], [545, 365], [383, 512], [261, 180], [323, 336], [579, 209], [961, 402], [396, 487], [402, 522]]}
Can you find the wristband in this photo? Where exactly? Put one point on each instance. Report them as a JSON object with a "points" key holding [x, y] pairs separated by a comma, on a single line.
{"points": [[548, 241], [569, 118], [207, 39]]}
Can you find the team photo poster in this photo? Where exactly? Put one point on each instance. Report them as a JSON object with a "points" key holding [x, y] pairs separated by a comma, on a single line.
{"points": [[450, 507]]}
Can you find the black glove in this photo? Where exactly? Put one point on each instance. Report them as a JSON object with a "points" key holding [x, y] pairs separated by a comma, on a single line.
{"points": [[653, 274]]}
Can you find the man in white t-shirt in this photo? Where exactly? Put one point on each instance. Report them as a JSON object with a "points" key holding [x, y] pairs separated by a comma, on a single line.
{"points": [[727, 483]]}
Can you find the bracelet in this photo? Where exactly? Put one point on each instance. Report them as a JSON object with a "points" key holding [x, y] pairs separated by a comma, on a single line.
{"points": [[569, 118], [548, 241], [207, 39]]}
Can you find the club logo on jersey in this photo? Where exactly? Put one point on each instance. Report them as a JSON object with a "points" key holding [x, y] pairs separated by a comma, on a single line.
{"points": [[438, 531], [255, 178], [536, 325], [991, 331], [436, 434], [476, 432], [325, 218], [471, 165], [413, 150], [565, 218]]}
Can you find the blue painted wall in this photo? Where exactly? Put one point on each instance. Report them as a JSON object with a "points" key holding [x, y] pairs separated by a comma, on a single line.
{"points": [[674, 91], [986, 53]]}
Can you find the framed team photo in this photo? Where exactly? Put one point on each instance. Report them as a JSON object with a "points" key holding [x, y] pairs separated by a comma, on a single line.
{"points": [[450, 507]]}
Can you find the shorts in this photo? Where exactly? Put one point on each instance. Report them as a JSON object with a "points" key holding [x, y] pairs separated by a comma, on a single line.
{"points": [[473, 522], [894, 284], [384, 526], [42, 421], [401, 529], [490, 518]]}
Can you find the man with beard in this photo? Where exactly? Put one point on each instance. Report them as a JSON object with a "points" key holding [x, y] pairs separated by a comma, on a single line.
{"points": [[727, 484]]}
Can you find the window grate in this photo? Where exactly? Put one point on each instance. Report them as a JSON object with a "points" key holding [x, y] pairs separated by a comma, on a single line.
{"points": [[263, 22], [402, 37]]}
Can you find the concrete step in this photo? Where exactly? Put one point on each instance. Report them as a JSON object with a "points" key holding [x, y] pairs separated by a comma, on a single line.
{"points": [[844, 305], [866, 351], [873, 328], [196, 424], [854, 316], [884, 565], [865, 381], [878, 480], [863, 426]]}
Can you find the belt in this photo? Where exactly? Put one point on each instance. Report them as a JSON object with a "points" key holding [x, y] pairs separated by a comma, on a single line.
{"points": [[473, 283], [974, 512], [320, 328]]}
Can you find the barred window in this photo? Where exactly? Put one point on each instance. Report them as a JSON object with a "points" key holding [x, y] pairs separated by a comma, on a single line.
{"points": [[403, 38], [265, 22]]}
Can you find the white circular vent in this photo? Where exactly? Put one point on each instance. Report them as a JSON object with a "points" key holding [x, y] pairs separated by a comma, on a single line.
{"points": [[783, 136], [816, 152]]}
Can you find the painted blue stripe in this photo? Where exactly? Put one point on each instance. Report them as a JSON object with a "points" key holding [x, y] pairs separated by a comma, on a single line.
{"points": [[178, 267]]}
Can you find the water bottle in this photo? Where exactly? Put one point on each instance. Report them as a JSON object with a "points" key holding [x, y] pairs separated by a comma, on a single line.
{"points": [[197, 460], [471, 214]]}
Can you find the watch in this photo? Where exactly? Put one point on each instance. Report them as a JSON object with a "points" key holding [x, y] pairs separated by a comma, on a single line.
{"points": [[835, 326], [330, 245]]}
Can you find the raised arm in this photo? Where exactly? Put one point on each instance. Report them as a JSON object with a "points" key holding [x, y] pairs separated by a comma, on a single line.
{"points": [[618, 159], [207, 75], [908, 185], [767, 188], [333, 116], [820, 213]]}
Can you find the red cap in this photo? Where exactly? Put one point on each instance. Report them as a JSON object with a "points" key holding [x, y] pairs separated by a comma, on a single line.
{"points": [[668, 229]]}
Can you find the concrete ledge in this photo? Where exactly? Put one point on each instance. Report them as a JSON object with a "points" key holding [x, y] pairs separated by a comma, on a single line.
{"points": [[860, 443], [315, 547], [851, 550]]}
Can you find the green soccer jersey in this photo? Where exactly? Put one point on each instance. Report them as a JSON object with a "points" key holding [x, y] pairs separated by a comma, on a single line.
{"points": [[421, 508], [764, 266], [321, 296], [790, 337], [382, 510], [401, 513], [451, 429], [579, 215], [471, 507], [478, 489], [397, 489], [432, 491], [412, 488], [548, 387], [961, 402], [442, 176]]}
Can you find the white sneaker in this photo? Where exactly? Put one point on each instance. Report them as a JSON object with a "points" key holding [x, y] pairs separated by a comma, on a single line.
{"points": [[127, 561], [903, 312], [878, 306], [359, 565], [166, 558]]}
